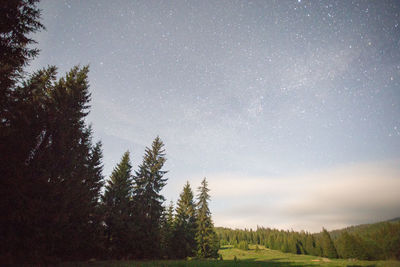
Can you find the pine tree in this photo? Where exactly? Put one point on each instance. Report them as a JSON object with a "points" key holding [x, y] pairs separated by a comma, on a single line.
{"points": [[310, 246], [18, 20], [285, 245], [51, 180], [170, 215], [118, 209], [292, 243], [243, 245], [94, 182], [350, 246], [51, 177], [148, 201], [207, 240], [185, 225], [167, 231], [61, 159], [95, 179], [279, 241], [328, 248], [271, 241]]}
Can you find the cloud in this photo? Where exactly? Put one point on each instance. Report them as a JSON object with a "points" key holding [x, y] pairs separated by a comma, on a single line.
{"points": [[334, 198]]}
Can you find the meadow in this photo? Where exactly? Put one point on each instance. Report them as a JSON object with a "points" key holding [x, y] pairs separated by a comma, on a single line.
{"points": [[261, 258]]}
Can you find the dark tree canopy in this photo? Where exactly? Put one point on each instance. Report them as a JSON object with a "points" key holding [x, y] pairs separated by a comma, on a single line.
{"points": [[149, 180], [18, 19], [185, 227], [328, 248], [118, 210], [167, 232], [207, 240], [53, 172]]}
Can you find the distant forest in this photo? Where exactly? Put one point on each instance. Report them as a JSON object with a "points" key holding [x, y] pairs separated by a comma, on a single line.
{"points": [[379, 241], [55, 204]]}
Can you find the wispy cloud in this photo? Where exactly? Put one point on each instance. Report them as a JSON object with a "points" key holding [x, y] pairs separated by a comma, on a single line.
{"points": [[338, 197]]}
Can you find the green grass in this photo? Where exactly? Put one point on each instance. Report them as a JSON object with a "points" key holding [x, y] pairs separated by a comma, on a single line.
{"points": [[263, 258]]}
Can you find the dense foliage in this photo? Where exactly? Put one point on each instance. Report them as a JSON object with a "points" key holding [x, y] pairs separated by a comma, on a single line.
{"points": [[18, 19], [148, 182], [51, 176], [118, 212], [185, 224], [207, 239], [377, 241]]}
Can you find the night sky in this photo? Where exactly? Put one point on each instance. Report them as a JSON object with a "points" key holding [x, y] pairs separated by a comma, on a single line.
{"points": [[291, 109]]}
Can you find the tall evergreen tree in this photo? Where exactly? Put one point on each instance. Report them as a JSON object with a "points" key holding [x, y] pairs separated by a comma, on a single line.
{"points": [[149, 180], [185, 225], [94, 183], [310, 246], [328, 248], [207, 239], [18, 20], [95, 179], [118, 209], [167, 231], [52, 173], [350, 246], [170, 218], [62, 158]]}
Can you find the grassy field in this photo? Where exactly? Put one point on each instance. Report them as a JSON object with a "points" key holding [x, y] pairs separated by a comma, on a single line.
{"points": [[262, 258]]}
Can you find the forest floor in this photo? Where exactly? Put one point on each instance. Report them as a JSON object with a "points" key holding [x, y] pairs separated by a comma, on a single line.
{"points": [[262, 258]]}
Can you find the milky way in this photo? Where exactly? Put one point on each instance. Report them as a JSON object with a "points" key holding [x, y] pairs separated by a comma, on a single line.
{"points": [[251, 88]]}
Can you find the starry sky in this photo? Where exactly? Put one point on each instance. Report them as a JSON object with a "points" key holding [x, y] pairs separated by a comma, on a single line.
{"points": [[291, 109]]}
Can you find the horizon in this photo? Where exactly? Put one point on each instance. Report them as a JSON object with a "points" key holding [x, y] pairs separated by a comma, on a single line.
{"points": [[290, 109]]}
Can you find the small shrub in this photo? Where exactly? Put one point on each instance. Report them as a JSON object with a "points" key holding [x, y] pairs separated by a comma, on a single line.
{"points": [[223, 242], [243, 245]]}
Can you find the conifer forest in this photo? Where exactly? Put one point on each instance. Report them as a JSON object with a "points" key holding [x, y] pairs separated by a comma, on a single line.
{"points": [[57, 206]]}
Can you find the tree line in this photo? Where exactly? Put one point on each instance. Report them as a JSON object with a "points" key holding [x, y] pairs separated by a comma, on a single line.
{"points": [[380, 241], [54, 201]]}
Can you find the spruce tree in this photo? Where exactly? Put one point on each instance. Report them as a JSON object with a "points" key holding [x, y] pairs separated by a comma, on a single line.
{"points": [[243, 245], [292, 243], [170, 218], [62, 159], [310, 246], [207, 239], [118, 209], [328, 248], [167, 231], [94, 182], [149, 181], [350, 246], [51, 179], [185, 225], [271, 241], [18, 20]]}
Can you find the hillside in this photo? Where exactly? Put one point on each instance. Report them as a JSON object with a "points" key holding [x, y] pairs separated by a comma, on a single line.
{"points": [[364, 229], [377, 241], [255, 256]]}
